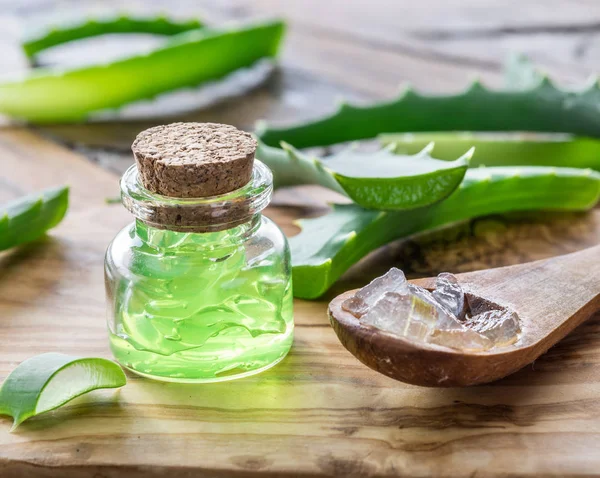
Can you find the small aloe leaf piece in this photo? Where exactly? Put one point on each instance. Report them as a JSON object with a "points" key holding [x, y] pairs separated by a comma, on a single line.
{"points": [[543, 108], [28, 218], [379, 180], [41, 39], [45, 382], [504, 149], [329, 245], [187, 59]]}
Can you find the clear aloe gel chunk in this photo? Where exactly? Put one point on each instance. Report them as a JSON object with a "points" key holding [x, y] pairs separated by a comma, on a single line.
{"points": [[449, 293], [367, 297], [500, 326], [443, 316]]}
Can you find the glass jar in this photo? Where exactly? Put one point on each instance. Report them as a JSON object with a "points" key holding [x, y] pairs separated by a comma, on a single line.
{"points": [[204, 302]]}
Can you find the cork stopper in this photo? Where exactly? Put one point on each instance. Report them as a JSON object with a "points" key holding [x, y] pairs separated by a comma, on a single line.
{"points": [[194, 160]]}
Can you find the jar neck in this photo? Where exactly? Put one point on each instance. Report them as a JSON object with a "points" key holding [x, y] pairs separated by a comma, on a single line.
{"points": [[198, 215], [160, 238]]}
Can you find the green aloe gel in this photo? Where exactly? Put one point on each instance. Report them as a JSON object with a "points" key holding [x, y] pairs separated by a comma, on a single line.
{"points": [[199, 306]]}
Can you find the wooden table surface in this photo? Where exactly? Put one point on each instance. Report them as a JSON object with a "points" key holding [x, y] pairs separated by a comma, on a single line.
{"points": [[320, 412]]}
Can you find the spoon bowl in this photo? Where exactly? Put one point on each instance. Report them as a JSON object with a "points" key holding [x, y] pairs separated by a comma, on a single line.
{"points": [[551, 297]]}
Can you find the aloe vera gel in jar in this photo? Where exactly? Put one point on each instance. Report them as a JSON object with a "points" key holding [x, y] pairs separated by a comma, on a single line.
{"points": [[199, 285]]}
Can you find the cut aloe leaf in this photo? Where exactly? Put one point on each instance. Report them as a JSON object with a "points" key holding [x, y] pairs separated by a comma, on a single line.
{"points": [[504, 149], [541, 108], [186, 60], [45, 382], [27, 219], [46, 37], [329, 245], [379, 180]]}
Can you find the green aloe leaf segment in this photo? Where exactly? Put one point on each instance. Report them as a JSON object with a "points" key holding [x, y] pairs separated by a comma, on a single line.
{"points": [[379, 180], [50, 36], [45, 382], [542, 107], [328, 245], [186, 60], [28, 218]]}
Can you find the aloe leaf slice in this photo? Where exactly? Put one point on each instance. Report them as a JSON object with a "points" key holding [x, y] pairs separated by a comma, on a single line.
{"points": [[379, 180], [45, 382], [543, 108], [28, 218], [329, 245], [504, 149], [46, 37], [186, 60]]}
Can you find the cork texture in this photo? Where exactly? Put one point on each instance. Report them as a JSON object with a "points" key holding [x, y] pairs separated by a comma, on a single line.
{"points": [[193, 160]]}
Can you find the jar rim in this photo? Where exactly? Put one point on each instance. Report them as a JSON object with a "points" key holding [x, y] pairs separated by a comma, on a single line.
{"points": [[205, 214]]}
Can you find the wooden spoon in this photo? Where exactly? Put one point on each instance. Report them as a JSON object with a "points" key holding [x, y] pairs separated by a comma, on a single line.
{"points": [[551, 296]]}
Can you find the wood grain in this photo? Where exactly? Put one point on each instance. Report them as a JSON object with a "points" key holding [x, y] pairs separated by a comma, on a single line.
{"points": [[320, 412]]}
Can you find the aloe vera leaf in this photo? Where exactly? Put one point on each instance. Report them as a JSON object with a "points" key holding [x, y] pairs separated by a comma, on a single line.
{"points": [[504, 149], [378, 180], [45, 382], [48, 37], [28, 218], [542, 108], [328, 245], [507, 149], [187, 59]]}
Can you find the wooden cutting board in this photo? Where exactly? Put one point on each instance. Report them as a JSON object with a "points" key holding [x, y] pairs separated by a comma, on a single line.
{"points": [[318, 413]]}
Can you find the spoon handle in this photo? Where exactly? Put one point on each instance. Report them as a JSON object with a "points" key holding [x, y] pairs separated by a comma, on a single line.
{"points": [[551, 296]]}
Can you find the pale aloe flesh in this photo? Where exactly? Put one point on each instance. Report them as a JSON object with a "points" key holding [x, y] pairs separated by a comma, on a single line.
{"points": [[45, 382]]}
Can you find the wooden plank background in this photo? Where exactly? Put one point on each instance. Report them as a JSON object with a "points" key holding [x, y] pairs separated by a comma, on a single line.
{"points": [[320, 412]]}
